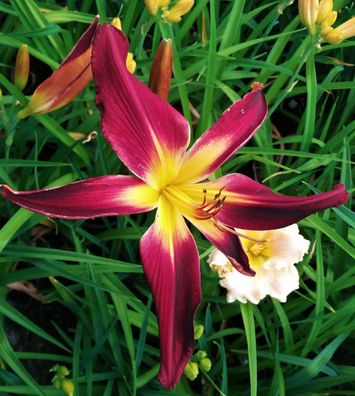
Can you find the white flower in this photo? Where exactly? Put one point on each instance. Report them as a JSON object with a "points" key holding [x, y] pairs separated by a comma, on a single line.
{"points": [[272, 259]]}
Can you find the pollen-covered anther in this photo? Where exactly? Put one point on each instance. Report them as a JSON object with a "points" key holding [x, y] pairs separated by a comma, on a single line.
{"points": [[209, 209], [223, 227]]}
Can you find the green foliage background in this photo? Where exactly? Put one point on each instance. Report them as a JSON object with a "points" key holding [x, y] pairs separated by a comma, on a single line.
{"points": [[303, 347]]}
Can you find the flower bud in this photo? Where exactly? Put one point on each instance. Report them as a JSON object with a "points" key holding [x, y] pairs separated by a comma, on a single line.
{"points": [[191, 371], [205, 364], [68, 387], [131, 63], [325, 7], [62, 371], [22, 67], [199, 355], [66, 82], [161, 70], [308, 11], [198, 331]]}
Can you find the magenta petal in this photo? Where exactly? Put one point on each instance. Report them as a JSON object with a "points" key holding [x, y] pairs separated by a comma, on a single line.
{"points": [[148, 134], [96, 197], [227, 242], [253, 206], [84, 42], [233, 129], [171, 265]]}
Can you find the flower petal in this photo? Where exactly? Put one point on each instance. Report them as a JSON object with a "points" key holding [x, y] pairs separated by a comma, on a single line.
{"points": [[96, 197], [234, 128], [67, 82], [84, 42], [253, 206], [228, 243], [171, 264], [147, 133]]}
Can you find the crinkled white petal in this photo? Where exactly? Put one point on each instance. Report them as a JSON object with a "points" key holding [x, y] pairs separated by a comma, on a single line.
{"points": [[244, 288], [277, 276]]}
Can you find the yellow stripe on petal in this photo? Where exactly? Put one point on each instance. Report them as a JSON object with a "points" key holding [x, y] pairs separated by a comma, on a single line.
{"points": [[171, 225], [199, 163], [140, 195]]}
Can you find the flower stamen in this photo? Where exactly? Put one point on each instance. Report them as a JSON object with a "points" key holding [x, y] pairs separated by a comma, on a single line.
{"points": [[223, 227]]}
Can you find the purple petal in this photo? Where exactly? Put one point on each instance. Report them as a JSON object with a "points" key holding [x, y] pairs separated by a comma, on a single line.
{"points": [[147, 133], [253, 206], [171, 264], [227, 242], [233, 129], [96, 197]]}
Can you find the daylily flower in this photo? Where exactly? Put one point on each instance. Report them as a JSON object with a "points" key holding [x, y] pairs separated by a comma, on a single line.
{"points": [[151, 138], [66, 82], [319, 16], [171, 13], [272, 255]]}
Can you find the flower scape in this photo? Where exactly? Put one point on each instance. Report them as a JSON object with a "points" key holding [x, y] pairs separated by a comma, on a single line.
{"points": [[256, 241]]}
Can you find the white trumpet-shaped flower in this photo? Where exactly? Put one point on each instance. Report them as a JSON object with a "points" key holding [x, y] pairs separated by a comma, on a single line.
{"points": [[272, 255]]}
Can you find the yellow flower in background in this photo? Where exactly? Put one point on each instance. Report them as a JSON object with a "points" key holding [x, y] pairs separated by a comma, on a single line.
{"points": [[171, 11], [272, 255], [130, 62], [180, 8], [319, 16]]}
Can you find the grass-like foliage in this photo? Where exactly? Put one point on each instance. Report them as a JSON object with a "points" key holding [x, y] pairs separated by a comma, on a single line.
{"points": [[96, 316]]}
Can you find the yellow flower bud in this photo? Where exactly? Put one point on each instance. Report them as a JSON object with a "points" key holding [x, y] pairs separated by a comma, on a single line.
{"points": [[68, 387], [181, 8], [191, 371], [154, 6], [325, 29], [335, 36], [116, 22], [308, 10], [130, 63], [22, 68], [325, 7], [347, 28], [331, 18]]}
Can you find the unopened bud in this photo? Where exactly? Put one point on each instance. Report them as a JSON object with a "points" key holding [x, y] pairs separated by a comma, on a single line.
{"points": [[191, 371], [68, 387], [62, 371], [198, 332], [161, 70], [199, 355], [205, 364], [22, 67], [325, 7], [131, 63]]}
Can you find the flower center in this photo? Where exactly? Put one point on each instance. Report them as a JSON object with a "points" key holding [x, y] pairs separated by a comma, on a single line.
{"points": [[257, 248], [207, 209]]}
